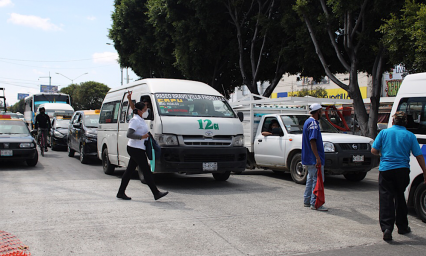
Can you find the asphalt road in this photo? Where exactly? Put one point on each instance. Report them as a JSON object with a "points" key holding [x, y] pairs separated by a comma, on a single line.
{"points": [[61, 207]]}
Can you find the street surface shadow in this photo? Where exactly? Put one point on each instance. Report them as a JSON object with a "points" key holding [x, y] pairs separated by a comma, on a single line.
{"points": [[19, 165], [92, 160], [200, 184]]}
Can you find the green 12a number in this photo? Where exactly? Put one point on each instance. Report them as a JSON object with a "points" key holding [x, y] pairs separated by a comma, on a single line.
{"points": [[209, 124]]}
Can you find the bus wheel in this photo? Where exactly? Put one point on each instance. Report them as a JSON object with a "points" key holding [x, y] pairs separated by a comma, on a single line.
{"points": [[420, 201]]}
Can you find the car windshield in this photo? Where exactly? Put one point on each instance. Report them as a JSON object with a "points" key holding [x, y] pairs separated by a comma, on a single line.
{"points": [[13, 127], [294, 124], [62, 123], [183, 104], [91, 121]]}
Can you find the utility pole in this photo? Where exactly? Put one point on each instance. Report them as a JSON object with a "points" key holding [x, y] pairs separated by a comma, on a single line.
{"points": [[50, 78]]}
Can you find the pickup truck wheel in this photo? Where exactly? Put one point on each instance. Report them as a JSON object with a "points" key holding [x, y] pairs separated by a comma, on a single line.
{"points": [[298, 173], [420, 201], [221, 176], [355, 176], [106, 164]]}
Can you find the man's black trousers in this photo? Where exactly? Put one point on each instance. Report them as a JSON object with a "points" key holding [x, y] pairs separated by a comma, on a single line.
{"points": [[393, 208]]}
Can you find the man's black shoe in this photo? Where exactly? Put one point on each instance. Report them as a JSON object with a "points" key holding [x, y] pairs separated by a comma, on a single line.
{"points": [[160, 195], [387, 235], [404, 231], [123, 196]]}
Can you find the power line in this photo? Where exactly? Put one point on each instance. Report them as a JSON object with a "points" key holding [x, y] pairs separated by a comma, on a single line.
{"points": [[56, 68], [113, 55]]}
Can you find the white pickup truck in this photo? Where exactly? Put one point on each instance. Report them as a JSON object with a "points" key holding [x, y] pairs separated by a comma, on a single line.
{"points": [[344, 153]]}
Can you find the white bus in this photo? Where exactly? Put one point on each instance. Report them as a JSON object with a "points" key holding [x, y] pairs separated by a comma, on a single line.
{"points": [[411, 99], [32, 103]]}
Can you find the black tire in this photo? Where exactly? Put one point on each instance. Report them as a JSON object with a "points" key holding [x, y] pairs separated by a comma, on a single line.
{"points": [[53, 146], [71, 151], [357, 176], [83, 157], [420, 201], [298, 173], [106, 164], [42, 151], [221, 176], [32, 162]]}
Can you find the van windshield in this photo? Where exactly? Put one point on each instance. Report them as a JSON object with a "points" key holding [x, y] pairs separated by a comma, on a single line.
{"points": [[184, 104]]}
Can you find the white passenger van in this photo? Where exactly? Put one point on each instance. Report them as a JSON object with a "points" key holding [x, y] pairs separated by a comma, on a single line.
{"points": [[411, 98], [193, 123]]}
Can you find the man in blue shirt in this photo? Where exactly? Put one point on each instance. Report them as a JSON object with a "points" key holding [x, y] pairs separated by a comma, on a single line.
{"points": [[394, 145], [313, 155]]}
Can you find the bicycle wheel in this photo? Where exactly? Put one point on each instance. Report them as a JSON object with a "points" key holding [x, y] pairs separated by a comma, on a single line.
{"points": [[42, 145]]}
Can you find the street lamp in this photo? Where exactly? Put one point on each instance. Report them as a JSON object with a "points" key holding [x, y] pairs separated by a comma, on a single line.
{"points": [[72, 80]]}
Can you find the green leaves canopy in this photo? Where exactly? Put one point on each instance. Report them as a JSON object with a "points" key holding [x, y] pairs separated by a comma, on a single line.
{"points": [[86, 95]]}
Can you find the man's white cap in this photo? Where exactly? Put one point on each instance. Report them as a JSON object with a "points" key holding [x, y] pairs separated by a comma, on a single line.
{"points": [[314, 107]]}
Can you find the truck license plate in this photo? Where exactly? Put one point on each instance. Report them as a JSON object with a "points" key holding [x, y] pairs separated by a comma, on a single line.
{"points": [[210, 166], [358, 158], [6, 153]]}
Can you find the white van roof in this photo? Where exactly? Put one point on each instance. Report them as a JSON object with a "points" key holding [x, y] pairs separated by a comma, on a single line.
{"points": [[413, 84], [164, 85], [58, 106]]}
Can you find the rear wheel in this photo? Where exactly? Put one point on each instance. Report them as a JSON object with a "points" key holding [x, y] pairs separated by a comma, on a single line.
{"points": [[221, 176], [298, 172], [420, 201], [358, 176], [83, 157], [106, 164]]}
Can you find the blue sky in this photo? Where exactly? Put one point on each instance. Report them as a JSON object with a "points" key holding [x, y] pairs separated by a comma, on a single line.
{"points": [[66, 37]]}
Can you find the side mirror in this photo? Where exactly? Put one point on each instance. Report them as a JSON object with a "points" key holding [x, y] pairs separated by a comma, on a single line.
{"points": [[77, 125], [240, 116], [277, 132]]}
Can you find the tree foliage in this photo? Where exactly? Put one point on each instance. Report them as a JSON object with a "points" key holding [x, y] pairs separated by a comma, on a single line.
{"points": [[18, 107], [86, 95], [317, 92], [352, 30], [405, 36]]}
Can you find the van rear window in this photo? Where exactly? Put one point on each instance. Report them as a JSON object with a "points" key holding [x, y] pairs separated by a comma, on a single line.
{"points": [[185, 104]]}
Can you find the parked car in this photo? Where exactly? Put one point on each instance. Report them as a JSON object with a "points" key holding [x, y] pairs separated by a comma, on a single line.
{"points": [[82, 134], [58, 134], [16, 142]]}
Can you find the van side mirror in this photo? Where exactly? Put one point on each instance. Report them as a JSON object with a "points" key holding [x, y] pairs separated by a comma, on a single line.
{"points": [[240, 116]]}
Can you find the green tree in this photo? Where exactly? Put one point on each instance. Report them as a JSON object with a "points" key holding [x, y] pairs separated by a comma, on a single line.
{"points": [[352, 30], [317, 92], [86, 95], [18, 107], [405, 36]]}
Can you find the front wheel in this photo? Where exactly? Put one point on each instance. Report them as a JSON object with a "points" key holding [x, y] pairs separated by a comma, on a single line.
{"points": [[70, 150], [221, 176], [106, 164], [83, 157], [298, 172], [32, 162], [420, 201], [358, 176]]}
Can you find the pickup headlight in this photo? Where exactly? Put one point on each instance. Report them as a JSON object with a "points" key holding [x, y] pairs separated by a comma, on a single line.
{"points": [[26, 145], [239, 141], [329, 147], [167, 140], [371, 144], [58, 134]]}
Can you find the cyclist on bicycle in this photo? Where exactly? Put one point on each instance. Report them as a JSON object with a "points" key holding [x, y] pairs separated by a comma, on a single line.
{"points": [[42, 121]]}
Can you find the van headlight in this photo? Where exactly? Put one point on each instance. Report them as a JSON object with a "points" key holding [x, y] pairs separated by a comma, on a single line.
{"points": [[329, 147], [239, 141], [167, 140]]}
